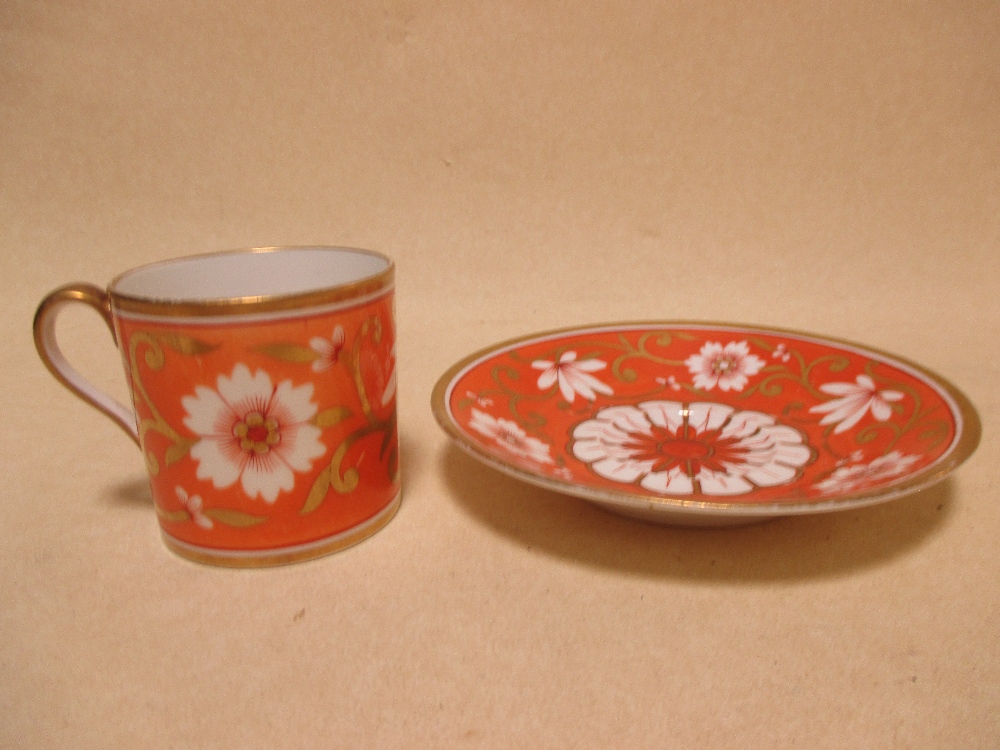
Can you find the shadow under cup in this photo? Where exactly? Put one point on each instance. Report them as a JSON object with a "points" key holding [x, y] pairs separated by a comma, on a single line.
{"points": [[264, 391]]}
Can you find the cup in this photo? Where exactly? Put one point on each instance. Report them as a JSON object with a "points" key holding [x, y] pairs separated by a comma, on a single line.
{"points": [[263, 387]]}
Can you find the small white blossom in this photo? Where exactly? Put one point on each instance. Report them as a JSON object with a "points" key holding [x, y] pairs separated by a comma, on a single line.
{"points": [[327, 349], [510, 437], [573, 376], [727, 366], [850, 478], [194, 506], [855, 400]]}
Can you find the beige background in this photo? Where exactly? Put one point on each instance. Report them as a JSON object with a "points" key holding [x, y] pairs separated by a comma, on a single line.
{"points": [[831, 167]]}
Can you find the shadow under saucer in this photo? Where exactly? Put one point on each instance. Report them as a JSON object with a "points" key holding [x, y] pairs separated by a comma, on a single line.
{"points": [[789, 548]]}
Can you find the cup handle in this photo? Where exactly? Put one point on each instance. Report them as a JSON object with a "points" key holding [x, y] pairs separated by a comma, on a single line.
{"points": [[48, 349]]}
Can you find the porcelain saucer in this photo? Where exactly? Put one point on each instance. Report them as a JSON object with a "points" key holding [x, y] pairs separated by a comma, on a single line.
{"points": [[706, 424]]}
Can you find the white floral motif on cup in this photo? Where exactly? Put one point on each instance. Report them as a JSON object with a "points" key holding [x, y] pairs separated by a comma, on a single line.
{"points": [[728, 367], [327, 350], [855, 400], [510, 437], [195, 507], [850, 478], [572, 375], [253, 432], [676, 448]]}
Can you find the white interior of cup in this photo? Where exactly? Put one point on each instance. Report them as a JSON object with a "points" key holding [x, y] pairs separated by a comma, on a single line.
{"points": [[266, 273]]}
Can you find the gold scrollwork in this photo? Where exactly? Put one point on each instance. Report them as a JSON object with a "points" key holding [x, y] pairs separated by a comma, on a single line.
{"points": [[344, 480], [640, 350], [155, 358], [507, 377], [933, 430], [770, 385]]}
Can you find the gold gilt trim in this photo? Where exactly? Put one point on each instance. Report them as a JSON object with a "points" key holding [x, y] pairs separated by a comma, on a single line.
{"points": [[267, 558], [124, 303], [970, 431]]}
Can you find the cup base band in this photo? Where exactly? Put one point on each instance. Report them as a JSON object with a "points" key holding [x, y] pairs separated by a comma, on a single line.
{"points": [[283, 555]]}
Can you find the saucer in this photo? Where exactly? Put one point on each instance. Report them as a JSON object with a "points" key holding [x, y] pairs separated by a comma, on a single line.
{"points": [[706, 424]]}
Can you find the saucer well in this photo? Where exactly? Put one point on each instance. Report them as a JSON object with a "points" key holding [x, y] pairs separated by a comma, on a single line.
{"points": [[706, 424]]}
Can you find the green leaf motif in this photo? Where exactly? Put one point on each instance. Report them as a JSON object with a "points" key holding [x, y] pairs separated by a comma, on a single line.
{"points": [[234, 517], [292, 353], [794, 406], [771, 388], [183, 344], [177, 451], [330, 417], [318, 492], [174, 516], [840, 364], [935, 433]]}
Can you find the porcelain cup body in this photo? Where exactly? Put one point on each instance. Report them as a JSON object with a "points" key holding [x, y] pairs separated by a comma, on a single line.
{"points": [[263, 389]]}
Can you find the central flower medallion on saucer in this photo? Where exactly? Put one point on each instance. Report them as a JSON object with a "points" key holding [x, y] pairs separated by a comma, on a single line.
{"points": [[679, 448]]}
